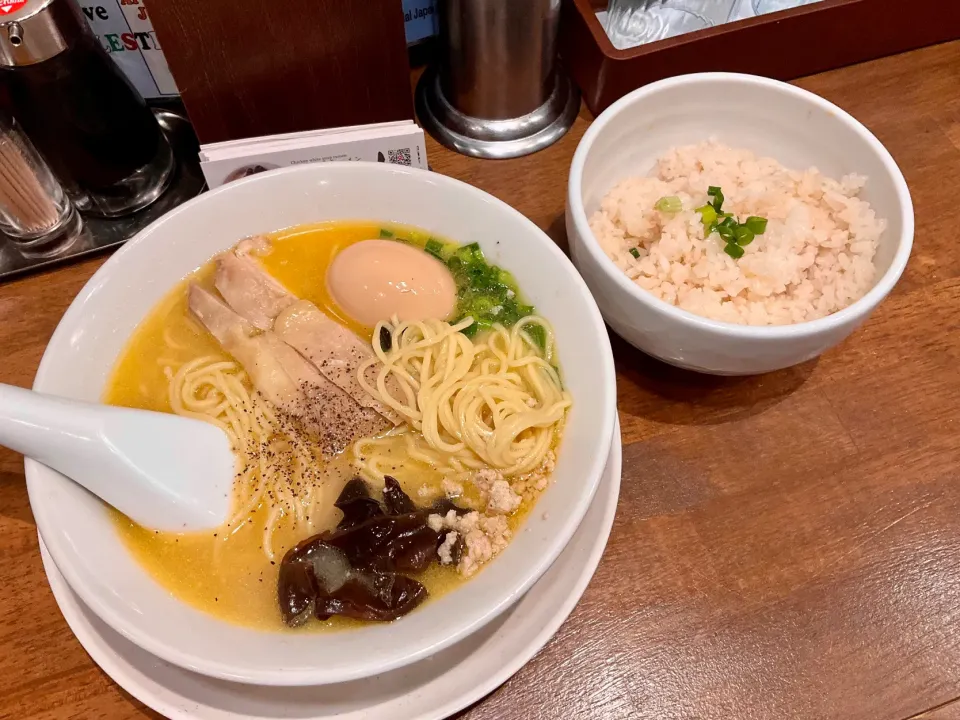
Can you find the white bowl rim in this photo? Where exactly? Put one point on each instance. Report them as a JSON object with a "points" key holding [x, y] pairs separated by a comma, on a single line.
{"points": [[851, 313], [36, 472]]}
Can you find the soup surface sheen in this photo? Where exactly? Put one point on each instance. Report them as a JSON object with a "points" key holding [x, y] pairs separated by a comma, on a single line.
{"points": [[227, 573], [230, 577]]}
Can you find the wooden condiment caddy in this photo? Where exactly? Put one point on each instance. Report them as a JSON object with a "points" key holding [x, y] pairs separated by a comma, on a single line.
{"points": [[784, 45]]}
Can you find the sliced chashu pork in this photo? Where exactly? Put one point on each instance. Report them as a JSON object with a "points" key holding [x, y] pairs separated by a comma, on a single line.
{"points": [[333, 349], [249, 289], [285, 378]]}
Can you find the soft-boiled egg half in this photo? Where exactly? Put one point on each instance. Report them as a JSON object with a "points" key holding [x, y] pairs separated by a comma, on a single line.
{"points": [[374, 280]]}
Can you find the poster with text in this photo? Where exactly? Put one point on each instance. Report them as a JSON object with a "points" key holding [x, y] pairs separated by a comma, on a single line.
{"points": [[419, 20], [126, 33]]}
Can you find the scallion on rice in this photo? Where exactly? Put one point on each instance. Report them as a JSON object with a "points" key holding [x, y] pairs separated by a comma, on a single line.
{"points": [[669, 204]]}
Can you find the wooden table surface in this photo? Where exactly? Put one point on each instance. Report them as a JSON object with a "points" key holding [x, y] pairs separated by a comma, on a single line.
{"points": [[786, 546]]}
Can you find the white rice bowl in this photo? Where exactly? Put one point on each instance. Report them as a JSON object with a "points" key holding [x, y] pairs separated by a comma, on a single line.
{"points": [[816, 256]]}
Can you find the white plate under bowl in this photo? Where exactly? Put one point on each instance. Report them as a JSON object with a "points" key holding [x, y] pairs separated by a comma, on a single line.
{"points": [[82, 538], [428, 690]]}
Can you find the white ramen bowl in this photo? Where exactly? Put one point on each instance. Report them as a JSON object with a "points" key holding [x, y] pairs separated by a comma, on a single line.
{"points": [[81, 537], [797, 128]]}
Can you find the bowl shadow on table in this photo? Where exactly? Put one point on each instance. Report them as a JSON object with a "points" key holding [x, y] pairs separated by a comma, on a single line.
{"points": [[557, 230], [657, 391], [138, 706], [660, 392]]}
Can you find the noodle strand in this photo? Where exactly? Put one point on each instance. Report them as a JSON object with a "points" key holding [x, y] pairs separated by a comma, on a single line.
{"points": [[497, 402], [278, 467]]}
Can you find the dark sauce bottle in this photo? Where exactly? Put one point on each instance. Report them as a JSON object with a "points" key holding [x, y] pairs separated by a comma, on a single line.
{"points": [[80, 111]]}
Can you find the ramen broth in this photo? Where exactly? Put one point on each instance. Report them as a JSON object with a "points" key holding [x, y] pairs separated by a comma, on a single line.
{"points": [[226, 572]]}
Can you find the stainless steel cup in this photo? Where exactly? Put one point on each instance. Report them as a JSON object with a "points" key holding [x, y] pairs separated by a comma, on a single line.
{"points": [[497, 91]]}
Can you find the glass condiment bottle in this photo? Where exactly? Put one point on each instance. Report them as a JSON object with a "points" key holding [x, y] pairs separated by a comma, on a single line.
{"points": [[35, 214], [81, 112]]}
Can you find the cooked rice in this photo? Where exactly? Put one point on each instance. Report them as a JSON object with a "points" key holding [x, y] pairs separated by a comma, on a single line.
{"points": [[816, 256]]}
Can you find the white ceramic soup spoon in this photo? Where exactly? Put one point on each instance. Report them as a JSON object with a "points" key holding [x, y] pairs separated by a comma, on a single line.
{"points": [[163, 471]]}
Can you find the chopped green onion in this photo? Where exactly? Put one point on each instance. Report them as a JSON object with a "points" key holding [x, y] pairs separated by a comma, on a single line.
{"points": [[538, 334], [470, 255], [635, 253], [506, 278], [669, 204], [736, 235], [482, 305], [485, 292], [708, 216], [384, 233], [476, 254], [757, 225], [733, 250], [717, 195]]}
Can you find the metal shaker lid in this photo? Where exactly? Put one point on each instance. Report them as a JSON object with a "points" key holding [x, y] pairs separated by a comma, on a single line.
{"points": [[32, 31]]}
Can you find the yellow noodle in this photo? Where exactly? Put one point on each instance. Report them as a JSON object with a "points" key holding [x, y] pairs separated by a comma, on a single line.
{"points": [[494, 402], [276, 466]]}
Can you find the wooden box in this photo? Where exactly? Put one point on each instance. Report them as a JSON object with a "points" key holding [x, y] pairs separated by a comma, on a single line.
{"points": [[783, 45], [261, 67]]}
